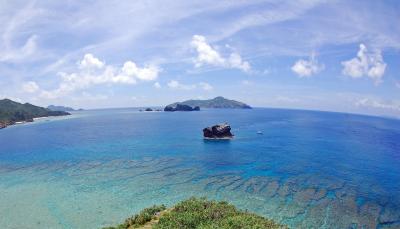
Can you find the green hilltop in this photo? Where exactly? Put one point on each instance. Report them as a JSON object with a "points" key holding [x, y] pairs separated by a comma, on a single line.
{"points": [[197, 213], [12, 112]]}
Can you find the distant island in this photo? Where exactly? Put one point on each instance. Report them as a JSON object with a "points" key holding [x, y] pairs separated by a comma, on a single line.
{"points": [[61, 108], [13, 112], [217, 102]]}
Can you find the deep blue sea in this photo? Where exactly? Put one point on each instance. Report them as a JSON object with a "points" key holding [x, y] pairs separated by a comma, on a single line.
{"points": [[307, 170]]}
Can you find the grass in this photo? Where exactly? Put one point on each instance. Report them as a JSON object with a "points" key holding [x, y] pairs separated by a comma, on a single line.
{"points": [[198, 213]]}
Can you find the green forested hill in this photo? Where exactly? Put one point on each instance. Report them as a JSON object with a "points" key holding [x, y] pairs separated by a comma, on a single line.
{"points": [[11, 112]]}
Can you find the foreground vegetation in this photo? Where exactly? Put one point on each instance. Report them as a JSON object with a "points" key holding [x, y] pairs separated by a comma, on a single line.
{"points": [[197, 213]]}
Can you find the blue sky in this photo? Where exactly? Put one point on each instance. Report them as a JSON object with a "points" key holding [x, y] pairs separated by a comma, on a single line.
{"points": [[322, 55]]}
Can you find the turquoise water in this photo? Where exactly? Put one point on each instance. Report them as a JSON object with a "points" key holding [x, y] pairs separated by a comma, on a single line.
{"points": [[95, 168]]}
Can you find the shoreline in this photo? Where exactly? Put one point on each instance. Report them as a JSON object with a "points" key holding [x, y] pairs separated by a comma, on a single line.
{"points": [[5, 124]]}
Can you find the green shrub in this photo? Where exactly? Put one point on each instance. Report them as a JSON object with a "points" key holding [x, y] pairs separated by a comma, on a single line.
{"points": [[200, 213], [146, 215], [204, 214]]}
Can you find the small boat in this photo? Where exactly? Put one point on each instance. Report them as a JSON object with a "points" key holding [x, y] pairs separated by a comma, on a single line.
{"points": [[259, 132]]}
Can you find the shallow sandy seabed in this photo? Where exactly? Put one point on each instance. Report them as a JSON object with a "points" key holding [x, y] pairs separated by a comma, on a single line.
{"points": [[92, 194]]}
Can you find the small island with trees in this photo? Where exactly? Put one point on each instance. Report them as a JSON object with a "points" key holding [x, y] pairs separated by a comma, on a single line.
{"points": [[217, 102]]}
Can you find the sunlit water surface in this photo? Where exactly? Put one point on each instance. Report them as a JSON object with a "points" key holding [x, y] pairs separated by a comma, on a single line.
{"points": [[307, 170]]}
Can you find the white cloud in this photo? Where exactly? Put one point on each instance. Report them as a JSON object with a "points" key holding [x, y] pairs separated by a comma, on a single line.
{"points": [[176, 85], [18, 42], [207, 55], [17, 54], [307, 68], [93, 72], [89, 61], [148, 73], [365, 64], [30, 87], [235, 61], [379, 104], [157, 85], [205, 86], [173, 84], [273, 13], [125, 76]]}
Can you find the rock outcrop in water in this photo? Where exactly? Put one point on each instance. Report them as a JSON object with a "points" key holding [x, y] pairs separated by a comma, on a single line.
{"points": [[219, 131], [181, 107]]}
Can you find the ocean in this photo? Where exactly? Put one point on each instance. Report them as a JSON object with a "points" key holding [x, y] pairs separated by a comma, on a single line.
{"points": [[95, 168]]}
